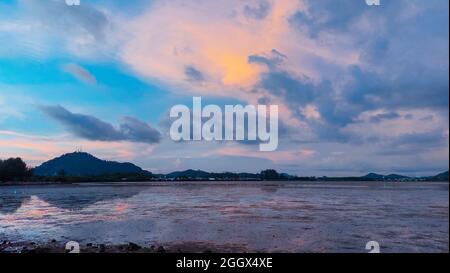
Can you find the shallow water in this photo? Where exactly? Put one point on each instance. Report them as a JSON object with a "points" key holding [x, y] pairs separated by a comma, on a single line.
{"points": [[254, 216]]}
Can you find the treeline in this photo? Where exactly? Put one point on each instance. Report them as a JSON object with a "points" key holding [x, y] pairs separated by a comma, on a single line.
{"points": [[14, 169], [198, 175], [118, 177]]}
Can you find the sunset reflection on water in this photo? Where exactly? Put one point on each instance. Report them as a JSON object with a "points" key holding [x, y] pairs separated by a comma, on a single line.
{"points": [[294, 217]]}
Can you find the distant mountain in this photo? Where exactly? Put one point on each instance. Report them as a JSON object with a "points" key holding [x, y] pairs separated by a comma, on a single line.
{"points": [[396, 177], [189, 174], [440, 177], [373, 176], [378, 177], [79, 163]]}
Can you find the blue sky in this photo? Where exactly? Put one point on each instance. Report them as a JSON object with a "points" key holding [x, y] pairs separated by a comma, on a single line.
{"points": [[359, 88]]}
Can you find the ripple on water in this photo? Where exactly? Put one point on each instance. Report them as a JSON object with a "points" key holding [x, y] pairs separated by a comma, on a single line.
{"points": [[302, 217]]}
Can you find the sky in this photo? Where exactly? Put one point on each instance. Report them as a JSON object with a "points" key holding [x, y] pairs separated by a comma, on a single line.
{"points": [[359, 88]]}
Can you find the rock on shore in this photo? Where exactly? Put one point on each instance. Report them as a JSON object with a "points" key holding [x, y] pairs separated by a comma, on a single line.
{"points": [[59, 247]]}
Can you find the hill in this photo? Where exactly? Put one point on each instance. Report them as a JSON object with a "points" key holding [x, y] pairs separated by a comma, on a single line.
{"points": [[189, 174], [79, 163], [441, 177], [380, 177]]}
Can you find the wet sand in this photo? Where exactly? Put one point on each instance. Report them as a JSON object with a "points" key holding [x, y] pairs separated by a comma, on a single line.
{"points": [[228, 216]]}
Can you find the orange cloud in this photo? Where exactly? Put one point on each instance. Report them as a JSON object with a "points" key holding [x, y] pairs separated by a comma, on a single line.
{"points": [[217, 38]]}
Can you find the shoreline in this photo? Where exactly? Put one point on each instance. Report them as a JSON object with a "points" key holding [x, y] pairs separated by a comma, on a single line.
{"points": [[60, 247], [55, 247], [206, 182]]}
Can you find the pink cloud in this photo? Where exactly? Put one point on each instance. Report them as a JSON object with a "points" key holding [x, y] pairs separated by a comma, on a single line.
{"points": [[276, 156], [216, 39]]}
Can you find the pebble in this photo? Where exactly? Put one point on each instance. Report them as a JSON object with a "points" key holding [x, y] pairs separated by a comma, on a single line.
{"points": [[161, 250], [133, 247]]}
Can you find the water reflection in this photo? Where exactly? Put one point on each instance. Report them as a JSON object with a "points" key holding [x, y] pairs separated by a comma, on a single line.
{"points": [[270, 188], [293, 217], [9, 203], [11, 199]]}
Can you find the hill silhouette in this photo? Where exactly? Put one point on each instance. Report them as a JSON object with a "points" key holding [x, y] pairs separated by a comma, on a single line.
{"points": [[80, 163], [84, 167], [441, 177], [375, 176]]}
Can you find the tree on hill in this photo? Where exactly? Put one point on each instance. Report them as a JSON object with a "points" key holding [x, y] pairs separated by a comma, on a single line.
{"points": [[13, 169], [269, 175]]}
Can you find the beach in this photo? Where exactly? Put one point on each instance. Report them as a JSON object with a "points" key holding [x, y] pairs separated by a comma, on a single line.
{"points": [[260, 216]]}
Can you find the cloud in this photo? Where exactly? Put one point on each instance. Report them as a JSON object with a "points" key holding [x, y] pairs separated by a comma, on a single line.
{"points": [[191, 40], [415, 143], [344, 58], [193, 74], [348, 78], [58, 16], [80, 73], [41, 29], [379, 117], [271, 61], [139, 131], [92, 128], [8, 111], [329, 15], [342, 73], [258, 11]]}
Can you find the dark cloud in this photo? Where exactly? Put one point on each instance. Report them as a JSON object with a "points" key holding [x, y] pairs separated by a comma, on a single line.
{"points": [[272, 60], [404, 64], [365, 92], [384, 116], [281, 83], [426, 118], [408, 46], [434, 138], [414, 143], [258, 12], [139, 131], [92, 128], [415, 87], [329, 15], [301, 91], [193, 74]]}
